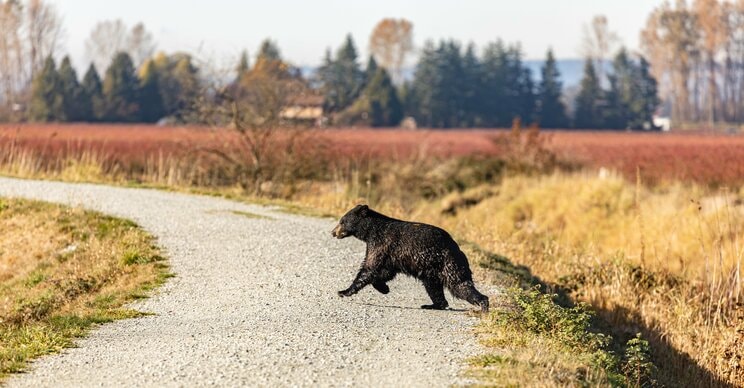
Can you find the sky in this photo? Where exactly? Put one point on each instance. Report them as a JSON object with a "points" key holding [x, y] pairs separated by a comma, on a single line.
{"points": [[217, 30]]}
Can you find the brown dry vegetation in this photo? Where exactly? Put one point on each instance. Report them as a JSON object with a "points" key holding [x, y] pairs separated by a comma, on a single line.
{"points": [[661, 256], [63, 270]]}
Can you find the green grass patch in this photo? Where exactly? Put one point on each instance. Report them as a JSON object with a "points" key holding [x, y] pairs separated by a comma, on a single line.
{"points": [[537, 338], [69, 270]]}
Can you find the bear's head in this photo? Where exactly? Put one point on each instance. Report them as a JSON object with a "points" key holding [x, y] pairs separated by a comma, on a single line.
{"points": [[349, 223]]}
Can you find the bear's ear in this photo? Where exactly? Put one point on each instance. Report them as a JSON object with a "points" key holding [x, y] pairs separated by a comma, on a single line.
{"points": [[363, 210]]}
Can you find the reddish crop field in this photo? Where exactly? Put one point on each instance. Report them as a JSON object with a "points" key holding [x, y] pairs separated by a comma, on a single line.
{"points": [[710, 159]]}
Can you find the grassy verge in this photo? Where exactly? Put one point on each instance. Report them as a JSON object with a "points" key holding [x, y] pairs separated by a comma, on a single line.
{"points": [[538, 338], [64, 270]]}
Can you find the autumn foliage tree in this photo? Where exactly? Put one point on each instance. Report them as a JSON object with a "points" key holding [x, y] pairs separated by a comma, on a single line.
{"points": [[696, 51], [391, 43], [249, 116]]}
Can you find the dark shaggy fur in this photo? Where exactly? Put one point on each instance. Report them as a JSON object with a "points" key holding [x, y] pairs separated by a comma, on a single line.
{"points": [[423, 251]]}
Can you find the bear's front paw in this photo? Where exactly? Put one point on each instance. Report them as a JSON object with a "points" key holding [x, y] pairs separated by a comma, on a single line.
{"points": [[381, 287], [346, 292]]}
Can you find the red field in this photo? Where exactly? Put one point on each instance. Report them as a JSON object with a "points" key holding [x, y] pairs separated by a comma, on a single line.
{"points": [[713, 159]]}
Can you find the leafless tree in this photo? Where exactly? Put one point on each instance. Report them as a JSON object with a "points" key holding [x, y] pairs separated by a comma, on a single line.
{"points": [[112, 36], [599, 43], [671, 41], [714, 29], [735, 62], [44, 29], [107, 38], [12, 60], [140, 45], [29, 33], [391, 42], [252, 132]]}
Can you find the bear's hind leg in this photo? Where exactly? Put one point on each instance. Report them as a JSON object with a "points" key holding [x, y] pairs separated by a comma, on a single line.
{"points": [[435, 289], [467, 291]]}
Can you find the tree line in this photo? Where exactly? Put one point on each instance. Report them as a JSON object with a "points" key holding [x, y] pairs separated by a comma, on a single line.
{"points": [[454, 87], [164, 86], [451, 86]]}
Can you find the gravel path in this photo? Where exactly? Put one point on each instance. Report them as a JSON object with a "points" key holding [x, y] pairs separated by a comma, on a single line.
{"points": [[253, 303]]}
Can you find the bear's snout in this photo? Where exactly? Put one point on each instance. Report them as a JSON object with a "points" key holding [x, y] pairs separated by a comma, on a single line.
{"points": [[339, 232]]}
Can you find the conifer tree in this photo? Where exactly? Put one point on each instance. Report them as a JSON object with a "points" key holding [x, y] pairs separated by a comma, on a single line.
{"points": [[341, 78], [589, 102], [370, 71], [385, 106], [121, 90], [471, 88], [243, 65], [46, 95], [648, 94], [550, 111], [632, 98], [91, 96], [150, 99], [70, 92]]}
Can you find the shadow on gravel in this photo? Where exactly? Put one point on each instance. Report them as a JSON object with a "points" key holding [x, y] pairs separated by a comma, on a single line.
{"points": [[406, 307], [674, 368]]}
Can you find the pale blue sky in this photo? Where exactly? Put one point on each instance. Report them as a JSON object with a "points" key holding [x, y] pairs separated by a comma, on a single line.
{"points": [[303, 29]]}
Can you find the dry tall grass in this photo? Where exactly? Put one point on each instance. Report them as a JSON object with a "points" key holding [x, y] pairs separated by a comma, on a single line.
{"points": [[663, 260]]}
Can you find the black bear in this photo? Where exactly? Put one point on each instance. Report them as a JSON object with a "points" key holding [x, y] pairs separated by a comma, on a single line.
{"points": [[423, 251]]}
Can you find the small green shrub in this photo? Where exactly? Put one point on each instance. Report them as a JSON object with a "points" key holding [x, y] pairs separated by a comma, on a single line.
{"points": [[537, 312], [637, 365]]}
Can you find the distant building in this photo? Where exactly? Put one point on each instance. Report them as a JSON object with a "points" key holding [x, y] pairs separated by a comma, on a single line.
{"points": [[663, 123], [305, 108]]}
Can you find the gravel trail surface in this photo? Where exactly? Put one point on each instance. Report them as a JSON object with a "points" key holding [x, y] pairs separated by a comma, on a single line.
{"points": [[253, 303]]}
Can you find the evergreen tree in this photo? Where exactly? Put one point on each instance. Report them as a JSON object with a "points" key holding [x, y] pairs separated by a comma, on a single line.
{"points": [[618, 98], [494, 105], [326, 79], [46, 94], [243, 65], [268, 51], [178, 81], [525, 91], [150, 100], [342, 79], [70, 92], [370, 71], [647, 99], [91, 96], [422, 96], [551, 111], [385, 106], [408, 99], [507, 86], [471, 88], [121, 90], [632, 97], [451, 89], [589, 102]]}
